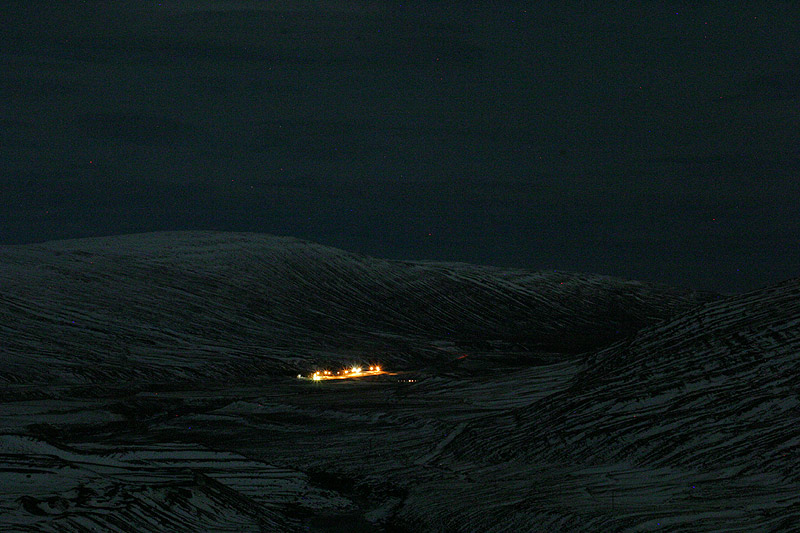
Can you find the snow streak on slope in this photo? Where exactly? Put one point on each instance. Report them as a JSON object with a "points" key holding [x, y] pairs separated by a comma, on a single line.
{"points": [[692, 424], [717, 384], [170, 487], [196, 305]]}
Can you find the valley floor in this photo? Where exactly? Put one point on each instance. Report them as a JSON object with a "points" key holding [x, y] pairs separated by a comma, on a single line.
{"points": [[373, 454]]}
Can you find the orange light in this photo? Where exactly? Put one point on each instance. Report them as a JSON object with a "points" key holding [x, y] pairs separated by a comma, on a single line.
{"points": [[345, 373]]}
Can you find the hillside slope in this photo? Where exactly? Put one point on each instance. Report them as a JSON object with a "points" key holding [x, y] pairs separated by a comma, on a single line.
{"points": [[691, 424], [204, 305]]}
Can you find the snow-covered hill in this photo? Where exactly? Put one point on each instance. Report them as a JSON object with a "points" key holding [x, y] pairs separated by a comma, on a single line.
{"points": [[691, 424], [526, 402], [203, 305], [673, 392]]}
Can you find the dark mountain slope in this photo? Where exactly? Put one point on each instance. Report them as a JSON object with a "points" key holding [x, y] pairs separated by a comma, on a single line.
{"points": [[693, 424], [716, 385], [191, 305]]}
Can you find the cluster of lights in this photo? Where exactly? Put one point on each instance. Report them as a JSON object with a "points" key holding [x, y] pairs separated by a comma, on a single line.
{"points": [[319, 375]]}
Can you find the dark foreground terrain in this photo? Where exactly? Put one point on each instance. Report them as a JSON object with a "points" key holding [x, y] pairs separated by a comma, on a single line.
{"points": [[149, 383]]}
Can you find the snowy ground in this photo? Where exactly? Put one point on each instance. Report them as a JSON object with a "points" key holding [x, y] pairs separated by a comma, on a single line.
{"points": [[172, 404]]}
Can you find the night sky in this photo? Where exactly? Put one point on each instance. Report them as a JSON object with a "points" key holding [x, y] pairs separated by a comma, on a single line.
{"points": [[659, 143]]}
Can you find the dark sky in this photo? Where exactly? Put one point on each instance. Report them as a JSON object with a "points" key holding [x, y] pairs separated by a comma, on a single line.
{"points": [[658, 141]]}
